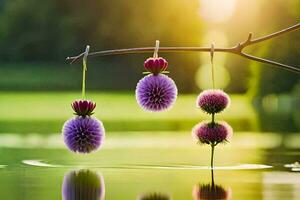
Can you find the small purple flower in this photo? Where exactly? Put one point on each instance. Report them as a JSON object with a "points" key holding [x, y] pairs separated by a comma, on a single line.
{"points": [[83, 134], [156, 92], [209, 191], [213, 101], [212, 133], [83, 107], [83, 184]]}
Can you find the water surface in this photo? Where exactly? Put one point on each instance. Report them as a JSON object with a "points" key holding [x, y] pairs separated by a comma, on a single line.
{"points": [[133, 165]]}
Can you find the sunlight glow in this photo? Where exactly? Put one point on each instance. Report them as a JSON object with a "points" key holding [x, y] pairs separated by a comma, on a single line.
{"points": [[203, 74], [203, 78], [217, 10], [219, 39]]}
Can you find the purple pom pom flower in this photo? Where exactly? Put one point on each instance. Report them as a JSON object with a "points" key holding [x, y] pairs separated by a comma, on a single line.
{"points": [[212, 133], [83, 107], [83, 134], [156, 92], [83, 184], [213, 101]]}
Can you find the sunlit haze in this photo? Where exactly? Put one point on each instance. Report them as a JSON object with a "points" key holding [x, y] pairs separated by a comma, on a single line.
{"points": [[217, 10]]}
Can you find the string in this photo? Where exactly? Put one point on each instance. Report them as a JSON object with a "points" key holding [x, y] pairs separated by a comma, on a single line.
{"points": [[212, 50], [84, 69], [155, 54], [212, 65]]}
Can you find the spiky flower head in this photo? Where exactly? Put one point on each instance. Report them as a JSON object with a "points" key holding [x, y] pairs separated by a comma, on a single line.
{"points": [[156, 65], [83, 107], [211, 192], [156, 93], [154, 196], [83, 134], [83, 184], [212, 133], [213, 101]]}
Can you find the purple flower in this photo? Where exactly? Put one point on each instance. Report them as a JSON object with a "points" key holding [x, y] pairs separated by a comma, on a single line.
{"points": [[83, 184], [83, 135], [83, 107], [212, 133], [156, 93], [209, 191], [213, 101]]}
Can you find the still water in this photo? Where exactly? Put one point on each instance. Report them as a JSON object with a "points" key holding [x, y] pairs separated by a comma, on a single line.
{"points": [[168, 165]]}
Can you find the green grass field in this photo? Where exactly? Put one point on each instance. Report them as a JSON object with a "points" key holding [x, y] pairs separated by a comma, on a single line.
{"points": [[46, 112]]}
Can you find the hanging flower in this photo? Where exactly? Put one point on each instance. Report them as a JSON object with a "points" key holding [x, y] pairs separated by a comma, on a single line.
{"points": [[83, 134], [83, 184], [212, 133], [213, 101], [156, 92]]}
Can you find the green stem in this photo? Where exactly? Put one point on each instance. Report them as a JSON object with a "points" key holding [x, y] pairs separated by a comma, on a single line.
{"points": [[212, 156], [213, 118], [212, 178]]}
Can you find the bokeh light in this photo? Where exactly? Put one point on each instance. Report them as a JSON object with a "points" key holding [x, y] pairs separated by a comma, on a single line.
{"points": [[203, 76], [217, 10]]}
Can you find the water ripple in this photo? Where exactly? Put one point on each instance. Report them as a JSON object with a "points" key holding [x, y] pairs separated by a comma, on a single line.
{"points": [[40, 163]]}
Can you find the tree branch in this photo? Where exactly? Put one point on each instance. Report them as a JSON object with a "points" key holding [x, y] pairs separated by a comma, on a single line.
{"points": [[238, 50]]}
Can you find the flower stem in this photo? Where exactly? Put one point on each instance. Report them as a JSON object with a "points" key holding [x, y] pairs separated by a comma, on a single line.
{"points": [[213, 118], [212, 156], [212, 178]]}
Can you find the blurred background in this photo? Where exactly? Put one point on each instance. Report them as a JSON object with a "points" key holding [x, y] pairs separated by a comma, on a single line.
{"points": [[37, 85]]}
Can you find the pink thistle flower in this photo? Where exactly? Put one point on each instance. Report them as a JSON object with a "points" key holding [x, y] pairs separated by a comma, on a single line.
{"points": [[212, 133], [213, 101]]}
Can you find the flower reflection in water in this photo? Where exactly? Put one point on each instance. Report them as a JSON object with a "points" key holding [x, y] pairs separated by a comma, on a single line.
{"points": [[83, 185], [154, 196], [211, 191]]}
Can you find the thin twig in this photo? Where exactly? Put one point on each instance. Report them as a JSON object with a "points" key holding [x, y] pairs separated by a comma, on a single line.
{"points": [[238, 50]]}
